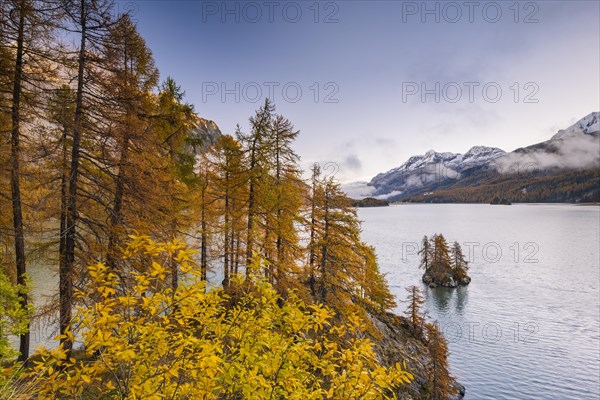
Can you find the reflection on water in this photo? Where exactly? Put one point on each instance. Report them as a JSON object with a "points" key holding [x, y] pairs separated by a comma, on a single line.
{"points": [[462, 298], [440, 298], [446, 300]]}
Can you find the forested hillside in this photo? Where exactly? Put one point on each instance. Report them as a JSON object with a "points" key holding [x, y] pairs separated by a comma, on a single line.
{"points": [[555, 186]]}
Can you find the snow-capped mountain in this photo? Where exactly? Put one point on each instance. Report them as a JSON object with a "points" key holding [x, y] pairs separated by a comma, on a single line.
{"points": [[432, 167], [586, 125], [576, 148]]}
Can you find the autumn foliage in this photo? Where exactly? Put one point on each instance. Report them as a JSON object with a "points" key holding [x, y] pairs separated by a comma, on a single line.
{"points": [[107, 179], [151, 342]]}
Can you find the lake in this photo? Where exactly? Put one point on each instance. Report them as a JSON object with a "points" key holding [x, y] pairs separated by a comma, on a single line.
{"points": [[527, 327]]}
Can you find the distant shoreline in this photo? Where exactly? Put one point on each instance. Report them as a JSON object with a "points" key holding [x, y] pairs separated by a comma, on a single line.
{"points": [[408, 203]]}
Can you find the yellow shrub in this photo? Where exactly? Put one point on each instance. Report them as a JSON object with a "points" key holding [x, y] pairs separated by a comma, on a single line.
{"points": [[147, 342]]}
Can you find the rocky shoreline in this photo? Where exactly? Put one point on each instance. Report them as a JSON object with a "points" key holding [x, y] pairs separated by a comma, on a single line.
{"points": [[445, 280], [396, 343]]}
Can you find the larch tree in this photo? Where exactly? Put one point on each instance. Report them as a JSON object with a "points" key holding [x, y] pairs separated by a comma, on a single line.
{"points": [[90, 20], [283, 210], [256, 170], [130, 77], [460, 265], [414, 310], [28, 26], [376, 295], [15, 175], [440, 379], [314, 200], [226, 170], [6, 77], [341, 264], [182, 183], [426, 253], [205, 183], [441, 253]]}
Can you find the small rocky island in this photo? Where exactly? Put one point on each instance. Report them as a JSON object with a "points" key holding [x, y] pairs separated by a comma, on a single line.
{"points": [[444, 265]]}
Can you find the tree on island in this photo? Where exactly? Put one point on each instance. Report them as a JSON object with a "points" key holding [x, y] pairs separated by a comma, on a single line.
{"points": [[460, 266], [444, 266], [426, 253], [441, 253]]}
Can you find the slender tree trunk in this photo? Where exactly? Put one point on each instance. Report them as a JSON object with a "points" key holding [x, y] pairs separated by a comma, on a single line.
{"points": [[64, 178], [312, 253], [15, 177], [323, 291], [238, 241], [269, 272], [226, 247], [174, 266], [278, 243], [203, 227], [250, 236], [251, 201], [313, 227], [232, 269], [66, 270], [116, 218]]}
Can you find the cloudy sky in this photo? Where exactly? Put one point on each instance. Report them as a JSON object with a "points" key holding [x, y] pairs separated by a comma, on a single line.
{"points": [[370, 83]]}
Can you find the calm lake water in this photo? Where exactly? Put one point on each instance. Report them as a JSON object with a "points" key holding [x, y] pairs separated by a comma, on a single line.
{"points": [[527, 327]]}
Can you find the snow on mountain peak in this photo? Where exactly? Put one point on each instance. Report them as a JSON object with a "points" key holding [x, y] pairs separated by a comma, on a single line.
{"points": [[586, 125], [420, 169], [475, 155], [480, 153]]}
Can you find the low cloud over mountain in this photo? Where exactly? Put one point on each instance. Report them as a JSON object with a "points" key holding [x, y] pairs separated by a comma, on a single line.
{"points": [[573, 149]]}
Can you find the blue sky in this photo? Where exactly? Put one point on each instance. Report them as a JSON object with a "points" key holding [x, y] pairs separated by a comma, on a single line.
{"points": [[370, 83]]}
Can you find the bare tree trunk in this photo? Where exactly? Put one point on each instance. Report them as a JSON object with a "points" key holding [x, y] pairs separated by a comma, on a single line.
{"points": [[250, 236], [251, 201], [173, 264], [116, 218], [232, 269], [312, 257], [226, 247], [238, 241], [64, 177], [15, 176], [203, 227], [269, 268], [66, 270], [278, 243], [323, 291]]}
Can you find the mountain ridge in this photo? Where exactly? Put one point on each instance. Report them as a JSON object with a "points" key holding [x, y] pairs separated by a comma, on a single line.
{"points": [[575, 148]]}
